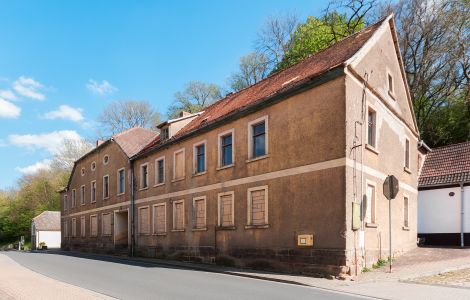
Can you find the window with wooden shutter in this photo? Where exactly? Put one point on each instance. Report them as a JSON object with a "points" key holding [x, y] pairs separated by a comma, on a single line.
{"points": [[94, 225], [226, 210], [106, 221], [82, 226], [179, 165], [406, 212], [74, 227], [159, 218], [178, 215], [258, 206], [199, 212], [371, 203], [144, 220]]}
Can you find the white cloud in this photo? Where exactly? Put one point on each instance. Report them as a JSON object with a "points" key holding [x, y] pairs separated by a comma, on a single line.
{"points": [[9, 110], [51, 141], [102, 88], [29, 87], [34, 168], [65, 112], [7, 95]]}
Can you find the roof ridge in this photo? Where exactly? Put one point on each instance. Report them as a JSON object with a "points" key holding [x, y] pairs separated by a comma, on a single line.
{"points": [[451, 145]]}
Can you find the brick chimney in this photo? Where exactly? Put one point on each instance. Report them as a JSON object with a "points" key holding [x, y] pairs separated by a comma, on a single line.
{"points": [[184, 113], [99, 142]]}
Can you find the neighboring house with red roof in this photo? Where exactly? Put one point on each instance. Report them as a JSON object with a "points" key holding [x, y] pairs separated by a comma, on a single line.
{"points": [[287, 172], [444, 196], [45, 228]]}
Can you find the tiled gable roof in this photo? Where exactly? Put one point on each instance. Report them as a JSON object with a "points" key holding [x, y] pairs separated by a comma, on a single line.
{"points": [[47, 221], [133, 140], [446, 165]]}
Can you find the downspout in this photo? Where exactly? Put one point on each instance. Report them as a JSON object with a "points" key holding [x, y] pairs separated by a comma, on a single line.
{"points": [[462, 215], [132, 209]]}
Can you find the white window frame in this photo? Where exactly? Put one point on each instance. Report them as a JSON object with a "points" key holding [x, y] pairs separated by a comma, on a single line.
{"points": [[118, 181], [91, 191], [93, 164], [266, 203], [250, 137], [204, 198], [184, 164], [154, 216], [141, 173], [65, 202], [74, 227], [82, 195], [407, 162], [82, 226], [369, 206], [375, 137], [111, 214], [91, 225], [105, 162], [156, 171], [203, 142], [139, 230], [219, 147], [407, 216], [74, 198], [174, 215], [82, 171], [107, 175], [219, 200]]}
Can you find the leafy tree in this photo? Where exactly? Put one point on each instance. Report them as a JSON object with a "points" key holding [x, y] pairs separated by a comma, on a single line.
{"points": [[253, 68], [68, 153], [195, 96]]}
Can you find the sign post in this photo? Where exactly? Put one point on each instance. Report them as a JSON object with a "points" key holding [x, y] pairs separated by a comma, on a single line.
{"points": [[390, 189]]}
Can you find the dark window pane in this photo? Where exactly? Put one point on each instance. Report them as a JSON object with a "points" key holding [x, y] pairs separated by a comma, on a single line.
{"points": [[160, 171], [200, 158], [121, 181], [259, 148], [258, 129], [227, 150]]}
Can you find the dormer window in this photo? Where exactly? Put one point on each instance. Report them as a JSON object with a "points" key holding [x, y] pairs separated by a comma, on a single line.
{"points": [[165, 133]]}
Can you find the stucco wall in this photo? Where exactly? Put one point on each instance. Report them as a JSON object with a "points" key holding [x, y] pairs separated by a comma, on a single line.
{"points": [[51, 238]]}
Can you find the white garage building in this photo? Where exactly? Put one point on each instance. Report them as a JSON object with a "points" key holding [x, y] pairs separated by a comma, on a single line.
{"points": [[46, 228], [444, 196]]}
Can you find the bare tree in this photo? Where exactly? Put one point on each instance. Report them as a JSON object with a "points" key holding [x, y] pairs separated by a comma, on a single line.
{"points": [[68, 153], [122, 115], [275, 37], [253, 68], [195, 96]]}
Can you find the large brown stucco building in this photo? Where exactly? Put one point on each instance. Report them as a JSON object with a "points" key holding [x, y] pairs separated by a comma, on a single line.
{"points": [[273, 175]]}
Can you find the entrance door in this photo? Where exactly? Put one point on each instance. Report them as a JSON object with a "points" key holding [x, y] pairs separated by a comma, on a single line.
{"points": [[121, 229]]}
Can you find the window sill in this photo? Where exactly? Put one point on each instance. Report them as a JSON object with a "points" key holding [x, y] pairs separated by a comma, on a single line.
{"points": [[257, 158], [120, 194], [406, 228], [159, 184], [178, 179], [257, 226], [177, 230], [392, 95], [143, 189], [93, 202], [407, 170], [106, 198], [372, 149], [82, 204], [200, 229], [371, 225], [225, 167], [143, 234], [226, 228], [199, 174], [160, 234]]}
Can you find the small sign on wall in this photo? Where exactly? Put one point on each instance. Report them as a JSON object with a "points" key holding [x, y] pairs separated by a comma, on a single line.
{"points": [[305, 240]]}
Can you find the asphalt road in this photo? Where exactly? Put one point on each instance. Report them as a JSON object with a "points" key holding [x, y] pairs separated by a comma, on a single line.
{"points": [[150, 281]]}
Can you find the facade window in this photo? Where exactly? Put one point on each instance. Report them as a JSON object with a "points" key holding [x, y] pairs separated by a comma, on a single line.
{"points": [[93, 166], [93, 191], [66, 229], [144, 180], [121, 181], [83, 172], [106, 223], [65, 202], [199, 151], [165, 133], [226, 210], [178, 165], [82, 226], [199, 212], [160, 170], [106, 159], [258, 137], [82, 195], [74, 227], [159, 218], [258, 206], [405, 212], [371, 127], [371, 205], [407, 153], [226, 148], [178, 215], [144, 220], [390, 83], [74, 198], [106, 187], [93, 225]]}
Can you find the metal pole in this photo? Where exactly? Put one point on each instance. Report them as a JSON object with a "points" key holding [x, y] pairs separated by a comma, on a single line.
{"points": [[390, 231]]}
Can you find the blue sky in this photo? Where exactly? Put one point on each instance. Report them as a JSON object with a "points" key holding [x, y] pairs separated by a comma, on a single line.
{"points": [[61, 62]]}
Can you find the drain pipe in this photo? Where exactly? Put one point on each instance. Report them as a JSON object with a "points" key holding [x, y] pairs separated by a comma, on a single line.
{"points": [[462, 215]]}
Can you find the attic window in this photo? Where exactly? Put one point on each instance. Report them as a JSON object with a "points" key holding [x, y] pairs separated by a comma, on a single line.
{"points": [[83, 171], [165, 133], [106, 159], [390, 85], [93, 166]]}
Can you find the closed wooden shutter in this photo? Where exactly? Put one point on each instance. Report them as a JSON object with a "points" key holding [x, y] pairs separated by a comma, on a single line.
{"points": [[82, 226], [200, 213], [94, 225], [74, 227], [226, 211], [107, 224], [258, 208], [144, 220], [179, 165], [179, 216], [160, 219]]}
